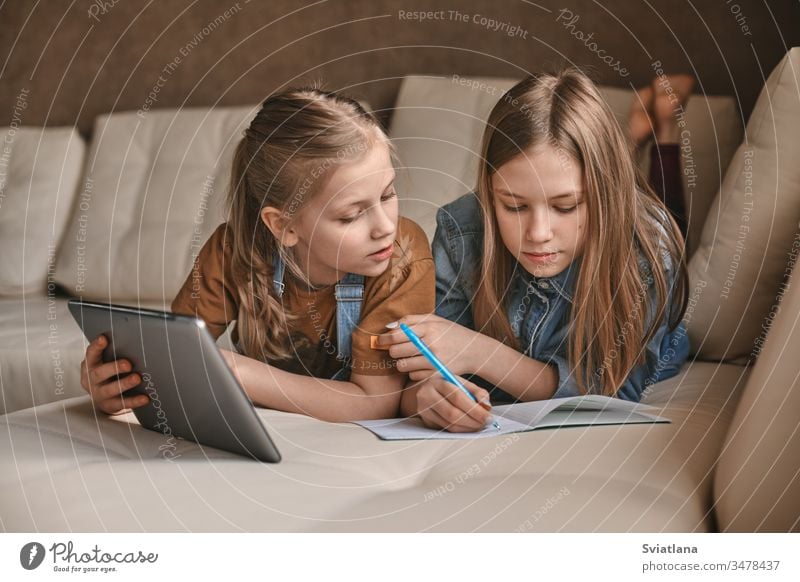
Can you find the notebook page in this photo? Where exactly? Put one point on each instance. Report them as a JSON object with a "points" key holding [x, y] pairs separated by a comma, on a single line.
{"points": [[392, 429], [525, 416]]}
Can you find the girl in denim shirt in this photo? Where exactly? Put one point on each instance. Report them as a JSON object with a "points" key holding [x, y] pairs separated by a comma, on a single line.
{"points": [[564, 274]]}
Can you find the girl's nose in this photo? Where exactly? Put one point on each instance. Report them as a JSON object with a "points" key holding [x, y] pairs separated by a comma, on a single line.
{"points": [[382, 223], [539, 228]]}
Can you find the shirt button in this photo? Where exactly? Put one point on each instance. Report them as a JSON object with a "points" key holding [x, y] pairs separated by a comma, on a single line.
{"points": [[544, 285]]}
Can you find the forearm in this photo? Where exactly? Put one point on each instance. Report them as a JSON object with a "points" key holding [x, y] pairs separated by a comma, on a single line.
{"points": [[329, 400], [523, 377], [408, 400]]}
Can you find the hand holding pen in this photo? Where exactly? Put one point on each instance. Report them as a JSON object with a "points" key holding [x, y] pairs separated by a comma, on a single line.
{"points": [[444, 412]]}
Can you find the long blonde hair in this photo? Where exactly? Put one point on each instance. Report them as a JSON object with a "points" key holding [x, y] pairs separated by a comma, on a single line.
{"points": [[566, 111], [286, 155]]}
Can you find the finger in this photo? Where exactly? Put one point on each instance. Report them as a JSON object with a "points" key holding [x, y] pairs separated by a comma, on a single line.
{"points": [[113, 405], [403, 350], [432, 419], [463, 412], [414, 319], [117, 387], [417, 325], [421, 375], [456, 397], [479, 393], [455, 419], [101, 373], [460, 428], [391, 338], [94, 351], [414, 364], [135, 401]]}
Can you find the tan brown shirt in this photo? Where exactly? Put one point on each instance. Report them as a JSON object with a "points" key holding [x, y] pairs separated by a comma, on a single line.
{"points": [[407, 286]]}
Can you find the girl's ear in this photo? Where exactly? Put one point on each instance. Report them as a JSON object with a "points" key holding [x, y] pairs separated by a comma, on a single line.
{"points": [[279, 226]]}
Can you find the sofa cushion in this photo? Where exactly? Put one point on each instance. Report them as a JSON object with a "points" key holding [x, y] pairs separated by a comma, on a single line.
{"points": [[112, 475], [438, 123], [757, 481], [39, 173], [436, 129], [154, 191], [748, 234]]}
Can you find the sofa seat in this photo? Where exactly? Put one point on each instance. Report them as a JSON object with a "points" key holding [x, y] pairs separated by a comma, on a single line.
{"points": [[66, 469], [40, 346]]}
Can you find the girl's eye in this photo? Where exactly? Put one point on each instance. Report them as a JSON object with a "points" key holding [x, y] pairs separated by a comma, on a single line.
{"points": [[566, 210], [349, 219], [384, 198], [515, 208]]}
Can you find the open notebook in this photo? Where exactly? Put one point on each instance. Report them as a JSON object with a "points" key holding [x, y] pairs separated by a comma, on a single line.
{"points": [[525, 416]]}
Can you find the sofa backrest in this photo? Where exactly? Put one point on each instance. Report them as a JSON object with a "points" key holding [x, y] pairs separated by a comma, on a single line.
{"points": [[39, 174], [154, 181], [749, 232], [438, 123], [153, 192]]}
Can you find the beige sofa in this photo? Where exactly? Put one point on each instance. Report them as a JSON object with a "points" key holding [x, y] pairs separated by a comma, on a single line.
{"points": [[120, 220]]}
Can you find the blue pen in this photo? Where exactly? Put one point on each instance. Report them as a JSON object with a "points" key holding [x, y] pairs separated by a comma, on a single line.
{"points": [[448, 375]]}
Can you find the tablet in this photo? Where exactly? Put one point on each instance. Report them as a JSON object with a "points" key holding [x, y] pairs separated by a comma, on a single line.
{"points": [[193, 394]]}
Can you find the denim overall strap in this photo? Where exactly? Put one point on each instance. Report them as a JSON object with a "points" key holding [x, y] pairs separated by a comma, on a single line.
{"points": [[349, 295]]}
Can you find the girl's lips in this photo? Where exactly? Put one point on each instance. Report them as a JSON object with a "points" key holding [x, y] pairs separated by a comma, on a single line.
{"points": [[537, 258], [383, 254]]}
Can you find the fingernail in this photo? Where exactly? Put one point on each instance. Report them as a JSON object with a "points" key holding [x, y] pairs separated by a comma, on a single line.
{"points": [[393, 325]]}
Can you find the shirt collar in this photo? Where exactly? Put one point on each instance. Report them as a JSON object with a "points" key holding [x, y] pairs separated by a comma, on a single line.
{"points": [[562, 284]]}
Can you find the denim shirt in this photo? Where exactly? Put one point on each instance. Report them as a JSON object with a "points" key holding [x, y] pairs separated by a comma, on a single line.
{"points": [[539, 307]]}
